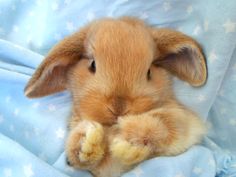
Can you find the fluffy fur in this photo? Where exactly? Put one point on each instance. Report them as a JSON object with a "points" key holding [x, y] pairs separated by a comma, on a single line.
{"points": [[125, 111]]}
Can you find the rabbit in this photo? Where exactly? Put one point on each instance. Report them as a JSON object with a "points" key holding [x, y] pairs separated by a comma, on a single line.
{"points": [[119, 73]]}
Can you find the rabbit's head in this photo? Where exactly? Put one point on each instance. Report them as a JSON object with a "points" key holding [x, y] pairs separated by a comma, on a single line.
{"points": [[114, 67]]}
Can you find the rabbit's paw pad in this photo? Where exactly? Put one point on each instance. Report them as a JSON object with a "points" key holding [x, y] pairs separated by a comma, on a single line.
{"points": [[128, 153]]}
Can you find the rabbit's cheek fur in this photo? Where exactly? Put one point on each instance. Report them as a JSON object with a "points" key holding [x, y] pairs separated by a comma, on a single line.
{"points": [[88, 94], [91, 108]]}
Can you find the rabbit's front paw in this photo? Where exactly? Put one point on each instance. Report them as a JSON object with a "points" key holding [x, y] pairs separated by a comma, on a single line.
{"points": [[85, 146], [140, 137], [128, 153]]}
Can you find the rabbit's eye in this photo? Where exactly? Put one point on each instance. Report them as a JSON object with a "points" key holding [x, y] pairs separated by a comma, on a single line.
{"points": [[149, 74], [92, 66]]}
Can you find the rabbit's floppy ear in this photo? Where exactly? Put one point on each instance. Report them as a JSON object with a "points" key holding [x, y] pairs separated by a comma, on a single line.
{"points": [[50, 77], [181, 55]]}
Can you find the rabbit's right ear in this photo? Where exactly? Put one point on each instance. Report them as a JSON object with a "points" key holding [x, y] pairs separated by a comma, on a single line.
{"points": [[50, 77], [181, 55]]}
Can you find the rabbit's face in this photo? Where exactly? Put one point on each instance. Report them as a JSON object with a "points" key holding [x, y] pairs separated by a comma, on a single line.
{"points": [[115, 67], [117, 75]]}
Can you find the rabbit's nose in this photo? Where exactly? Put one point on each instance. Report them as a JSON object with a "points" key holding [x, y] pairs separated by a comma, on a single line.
{"points": [[113, 111], [118, 106]]}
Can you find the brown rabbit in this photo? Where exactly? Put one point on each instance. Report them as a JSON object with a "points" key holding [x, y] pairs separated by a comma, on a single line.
{"points": [[124, 110]]}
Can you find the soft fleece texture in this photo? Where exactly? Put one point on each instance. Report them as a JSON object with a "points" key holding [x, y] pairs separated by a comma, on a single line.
{"points": [[33, 132]]}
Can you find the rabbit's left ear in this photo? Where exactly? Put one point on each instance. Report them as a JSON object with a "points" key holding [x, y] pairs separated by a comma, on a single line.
{"points": [[51, 76], [181, 55]]}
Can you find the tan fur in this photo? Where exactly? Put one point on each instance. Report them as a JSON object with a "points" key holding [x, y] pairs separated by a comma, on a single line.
{"points": [[121, 116]]}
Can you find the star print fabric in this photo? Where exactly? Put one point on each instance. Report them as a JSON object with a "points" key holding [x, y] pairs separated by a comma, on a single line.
{"points": [[33, 132]]}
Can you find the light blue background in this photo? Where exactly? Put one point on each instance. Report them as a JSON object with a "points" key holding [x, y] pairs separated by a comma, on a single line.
{"points": [[33, 132]]}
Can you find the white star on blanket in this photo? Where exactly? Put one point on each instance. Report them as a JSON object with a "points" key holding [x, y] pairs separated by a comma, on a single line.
{"points": [[60, 133], [138, 171], [28, 170], [229, 26], [212, 56]]}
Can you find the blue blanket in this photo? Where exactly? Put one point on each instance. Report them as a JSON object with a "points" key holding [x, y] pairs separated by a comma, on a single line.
{"points": [[33, 132]]}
